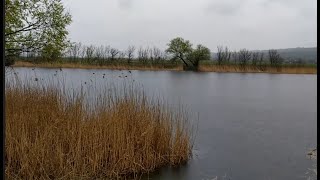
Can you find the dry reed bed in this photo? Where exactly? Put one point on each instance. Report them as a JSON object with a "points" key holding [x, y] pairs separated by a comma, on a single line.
{"points": [[88, 66], [52, 135], [202, 68], [253, 69]]}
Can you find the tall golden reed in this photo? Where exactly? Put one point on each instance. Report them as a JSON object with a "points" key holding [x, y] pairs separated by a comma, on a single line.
{"points": [[53, 135]]}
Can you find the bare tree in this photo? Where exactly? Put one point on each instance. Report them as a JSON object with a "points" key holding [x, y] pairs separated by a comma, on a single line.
{"points": [[106, 52], [255, 58], [150, 54], [75, 50], [99, 52], [89, 53], [275, 58], [223, 55], [143, 55], [220, 55], [113, 53], [156, 55], [82, 52], [130, 53], [227, 55], [234, 56], [261, 64], [244, 57]]}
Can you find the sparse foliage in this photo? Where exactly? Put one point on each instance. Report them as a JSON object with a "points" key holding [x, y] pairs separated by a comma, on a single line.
{"points": [[36, 25]]}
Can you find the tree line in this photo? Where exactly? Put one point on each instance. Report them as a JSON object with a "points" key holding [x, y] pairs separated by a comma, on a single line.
{"points": [[37, 30], [179, 51], [102, 54]]}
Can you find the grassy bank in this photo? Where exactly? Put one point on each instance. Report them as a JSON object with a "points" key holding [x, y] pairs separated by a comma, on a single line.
{"points": [[53, 135], [285, 69]]}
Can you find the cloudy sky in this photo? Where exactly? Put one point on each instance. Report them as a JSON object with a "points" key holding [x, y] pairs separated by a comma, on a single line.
{"points": [[251, 24]]}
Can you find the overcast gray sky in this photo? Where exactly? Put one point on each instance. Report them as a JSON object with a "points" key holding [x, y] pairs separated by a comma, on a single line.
{"points": [[251, 24]]}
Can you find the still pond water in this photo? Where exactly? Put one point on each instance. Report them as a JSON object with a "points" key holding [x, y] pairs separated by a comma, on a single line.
{"points": [[251, 126]]}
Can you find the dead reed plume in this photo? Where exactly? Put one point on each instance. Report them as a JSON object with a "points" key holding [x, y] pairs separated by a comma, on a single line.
{"points": [[55, 134]]}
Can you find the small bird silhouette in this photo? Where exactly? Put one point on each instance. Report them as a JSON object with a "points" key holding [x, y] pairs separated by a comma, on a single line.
{"points": [[125, 76], [92, 73], [60, 69], [129, 71], [32, 68], [36, 79]]}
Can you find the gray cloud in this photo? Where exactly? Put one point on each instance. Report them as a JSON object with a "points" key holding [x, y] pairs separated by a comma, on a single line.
{"points": [[125, 4], [224, 8], [252, 24]]}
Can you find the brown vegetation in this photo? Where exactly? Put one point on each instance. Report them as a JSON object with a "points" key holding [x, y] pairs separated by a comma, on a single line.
{"points": [[179, 67], [89, 66], [53, 135], [257, 69]]}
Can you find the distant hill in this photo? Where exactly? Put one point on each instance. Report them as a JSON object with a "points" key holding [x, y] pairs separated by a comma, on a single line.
{"points": [[292, 54]]}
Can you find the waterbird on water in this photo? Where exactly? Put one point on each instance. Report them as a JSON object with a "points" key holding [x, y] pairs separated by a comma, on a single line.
{"points": [[129, 71], [36, 79]]}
